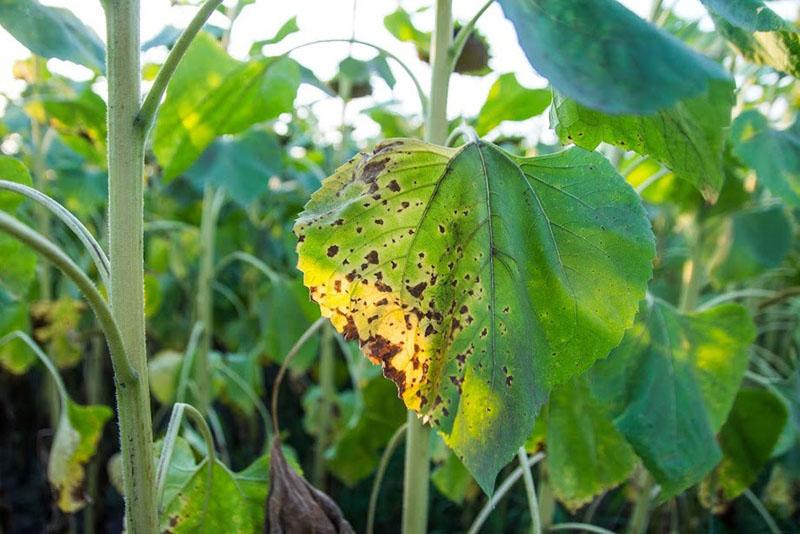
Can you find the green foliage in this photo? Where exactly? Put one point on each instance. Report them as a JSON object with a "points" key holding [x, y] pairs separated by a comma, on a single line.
{"points": [[18, 267], [747, 440], [670, 385], [758, 33], [509, 101], [52, 32], [478, 280], [593, 52], [687, 137], [773, 154], [213, 94]]}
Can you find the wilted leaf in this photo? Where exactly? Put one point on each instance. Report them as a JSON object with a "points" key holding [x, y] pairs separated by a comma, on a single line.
{"points": [[670, 385], [509, 101], [748, 243], [52, 32], [212, 94], [602, 55], [586, 455], [747, 440], [688, 137], [758, 33], [478, 280], [773, 154], [79, 430], [295, 506]]}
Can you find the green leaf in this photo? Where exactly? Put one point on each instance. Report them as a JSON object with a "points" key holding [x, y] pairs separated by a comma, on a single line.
{"points": [[52, 32], [773, 154], [509, 101], [671, 383], [477, 279], [286, 312], [602, 55], [18, 268], [78, 433], [239, 370], [688, 137], [586, 455], [212, 94], [79, 118], [747, 440], [453, 480], [356, 452], [15, 355], [289, 27], [748, 243], [242, 165], [758, 33], [163, 369]]}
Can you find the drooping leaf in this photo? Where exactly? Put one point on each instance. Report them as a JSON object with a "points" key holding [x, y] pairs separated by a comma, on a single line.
{"points": [[747, 440], [586, 455], [79, 430], [773, 154], [52, 32], [18, 267], [294, 505], [602, 55], [758, 33], [242, 165], [509, 101], [671, 383], [478, 280], [749, 242], [212, 94], [688, 137]]}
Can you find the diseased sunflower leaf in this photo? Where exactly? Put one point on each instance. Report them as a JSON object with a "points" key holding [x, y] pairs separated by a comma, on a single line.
{"points": [[79, 430], [670, 385], [602, 55], [477, 279], [773, 154], [758, 33], [688, 137]]}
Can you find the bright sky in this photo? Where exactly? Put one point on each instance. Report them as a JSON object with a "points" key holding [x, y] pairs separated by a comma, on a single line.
{"points": [[319, 19]]}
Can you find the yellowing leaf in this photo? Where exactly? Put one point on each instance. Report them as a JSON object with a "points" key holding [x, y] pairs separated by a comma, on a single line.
{"points": [[79, 431], [476, 279]]}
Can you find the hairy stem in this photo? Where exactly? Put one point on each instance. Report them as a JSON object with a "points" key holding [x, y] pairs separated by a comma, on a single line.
{"points": [[530, 491], [126, 220]]}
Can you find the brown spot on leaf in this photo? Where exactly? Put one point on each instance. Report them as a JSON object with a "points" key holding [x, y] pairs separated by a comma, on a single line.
{"points": [[372, 257], [333, 250], [416, 291], [393, 186]]}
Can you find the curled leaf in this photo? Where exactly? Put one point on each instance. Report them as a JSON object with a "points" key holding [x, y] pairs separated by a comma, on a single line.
{"points": [[294, 506]]}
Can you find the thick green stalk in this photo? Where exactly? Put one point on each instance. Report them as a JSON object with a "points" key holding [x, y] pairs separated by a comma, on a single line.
{"points": [[126, 236], [417, 466]]}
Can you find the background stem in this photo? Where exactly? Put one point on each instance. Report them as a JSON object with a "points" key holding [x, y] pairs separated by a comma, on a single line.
{"points": [[327, 385], [126, 221]]}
